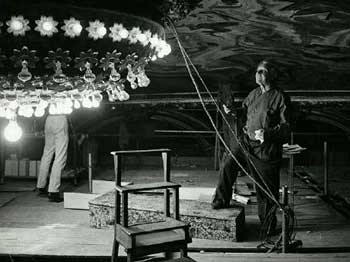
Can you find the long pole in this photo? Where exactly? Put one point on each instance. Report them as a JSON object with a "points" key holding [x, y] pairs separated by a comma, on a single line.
{"points": [[285, 240], [90, 172], [325, 168]]}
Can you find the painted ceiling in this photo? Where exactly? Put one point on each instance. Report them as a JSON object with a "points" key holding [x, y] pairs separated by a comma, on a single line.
{"points": [[308, 40]]}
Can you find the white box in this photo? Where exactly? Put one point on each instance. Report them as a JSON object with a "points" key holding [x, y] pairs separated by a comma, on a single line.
{"points": [[33, 170], [11, 167], [23, 169]]}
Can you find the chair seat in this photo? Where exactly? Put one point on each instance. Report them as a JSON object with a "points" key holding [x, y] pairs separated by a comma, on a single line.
{"points": [[144, 235]]}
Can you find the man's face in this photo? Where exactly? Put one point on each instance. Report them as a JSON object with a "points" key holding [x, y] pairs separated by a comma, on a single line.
{"points": [[261, 75]]}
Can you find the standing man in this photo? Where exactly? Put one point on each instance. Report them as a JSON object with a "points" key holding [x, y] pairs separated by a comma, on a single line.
{"points": [[266, 129], [56, 145]]}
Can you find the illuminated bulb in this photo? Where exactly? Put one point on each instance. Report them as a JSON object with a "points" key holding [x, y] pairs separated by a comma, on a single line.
{"points": [[28, 111], [133, 85], [101, 31], [77, 104], [13, 132], [124, 95], [76, 28], [52, 109], [9, 114], [2, 111], [87, 103], [161, 54], [16, 25], [69, 110], [154, 58], [123, 33], [21, 111], [95, 103], [59, 108], [43, 103], [142, 38], [131, 77], [98, 97], [13, 104], [47, 26], [39, 112], [167, 49], [68, 102]]}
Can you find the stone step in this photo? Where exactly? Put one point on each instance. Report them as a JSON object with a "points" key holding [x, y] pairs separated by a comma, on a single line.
{"points": [[206, 223]]}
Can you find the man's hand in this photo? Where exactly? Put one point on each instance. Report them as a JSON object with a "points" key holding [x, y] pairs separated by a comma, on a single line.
{"points": [[259, 135]]}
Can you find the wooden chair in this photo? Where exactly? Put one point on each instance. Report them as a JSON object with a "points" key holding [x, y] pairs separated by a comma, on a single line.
{"points": [[143, 239]]}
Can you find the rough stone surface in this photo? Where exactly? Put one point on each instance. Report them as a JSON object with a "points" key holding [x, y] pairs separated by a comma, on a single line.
{"points": [[223, 224]]}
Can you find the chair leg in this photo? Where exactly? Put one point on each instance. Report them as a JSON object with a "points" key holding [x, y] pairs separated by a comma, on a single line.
{"points": [[183, 252], [130, 257], [115, 251]]}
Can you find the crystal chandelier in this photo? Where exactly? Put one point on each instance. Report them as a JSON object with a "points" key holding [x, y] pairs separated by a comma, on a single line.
{"points": [[58, 64]]}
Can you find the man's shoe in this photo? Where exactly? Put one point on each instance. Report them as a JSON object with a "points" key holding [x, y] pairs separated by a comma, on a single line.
{"points": [[42, 192], [55, 197], [218, 204]]}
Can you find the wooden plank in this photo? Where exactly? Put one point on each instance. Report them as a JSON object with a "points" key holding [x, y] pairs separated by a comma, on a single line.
{"points": [[149, 186], [103, 186], [74, 200]]}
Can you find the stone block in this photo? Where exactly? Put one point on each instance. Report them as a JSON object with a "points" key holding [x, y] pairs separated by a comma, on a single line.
{"points": [[206, 223]]}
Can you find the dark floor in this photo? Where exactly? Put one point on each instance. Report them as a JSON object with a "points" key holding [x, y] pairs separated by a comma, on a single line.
{"points": [[32, 226]]}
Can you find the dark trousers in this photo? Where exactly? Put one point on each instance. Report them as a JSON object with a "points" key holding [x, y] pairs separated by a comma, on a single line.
{"points": [[228, 175]]}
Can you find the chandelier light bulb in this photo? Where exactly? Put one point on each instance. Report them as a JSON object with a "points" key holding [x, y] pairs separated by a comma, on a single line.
{"points": [[68, 102], [131, 77], [77, 104], [13, 104], [133, 85], [95, 103], [123, 33], [167, 49], [52, 109], [47, 26], [28, 111], [124, 95], [87, 102], [76, 28], [13, 132], [39, 112], [21, 111], [9, 113], [16, 25], [60, 109], [43, 104], [142, 38], [2, 111], [68, 110], [101, 31]]}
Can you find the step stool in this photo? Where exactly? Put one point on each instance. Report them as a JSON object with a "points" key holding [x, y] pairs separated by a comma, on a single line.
{"points": [[143, 239]]}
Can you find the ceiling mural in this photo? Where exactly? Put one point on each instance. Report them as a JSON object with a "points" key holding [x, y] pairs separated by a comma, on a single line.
{"points": [[308, 40]]}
